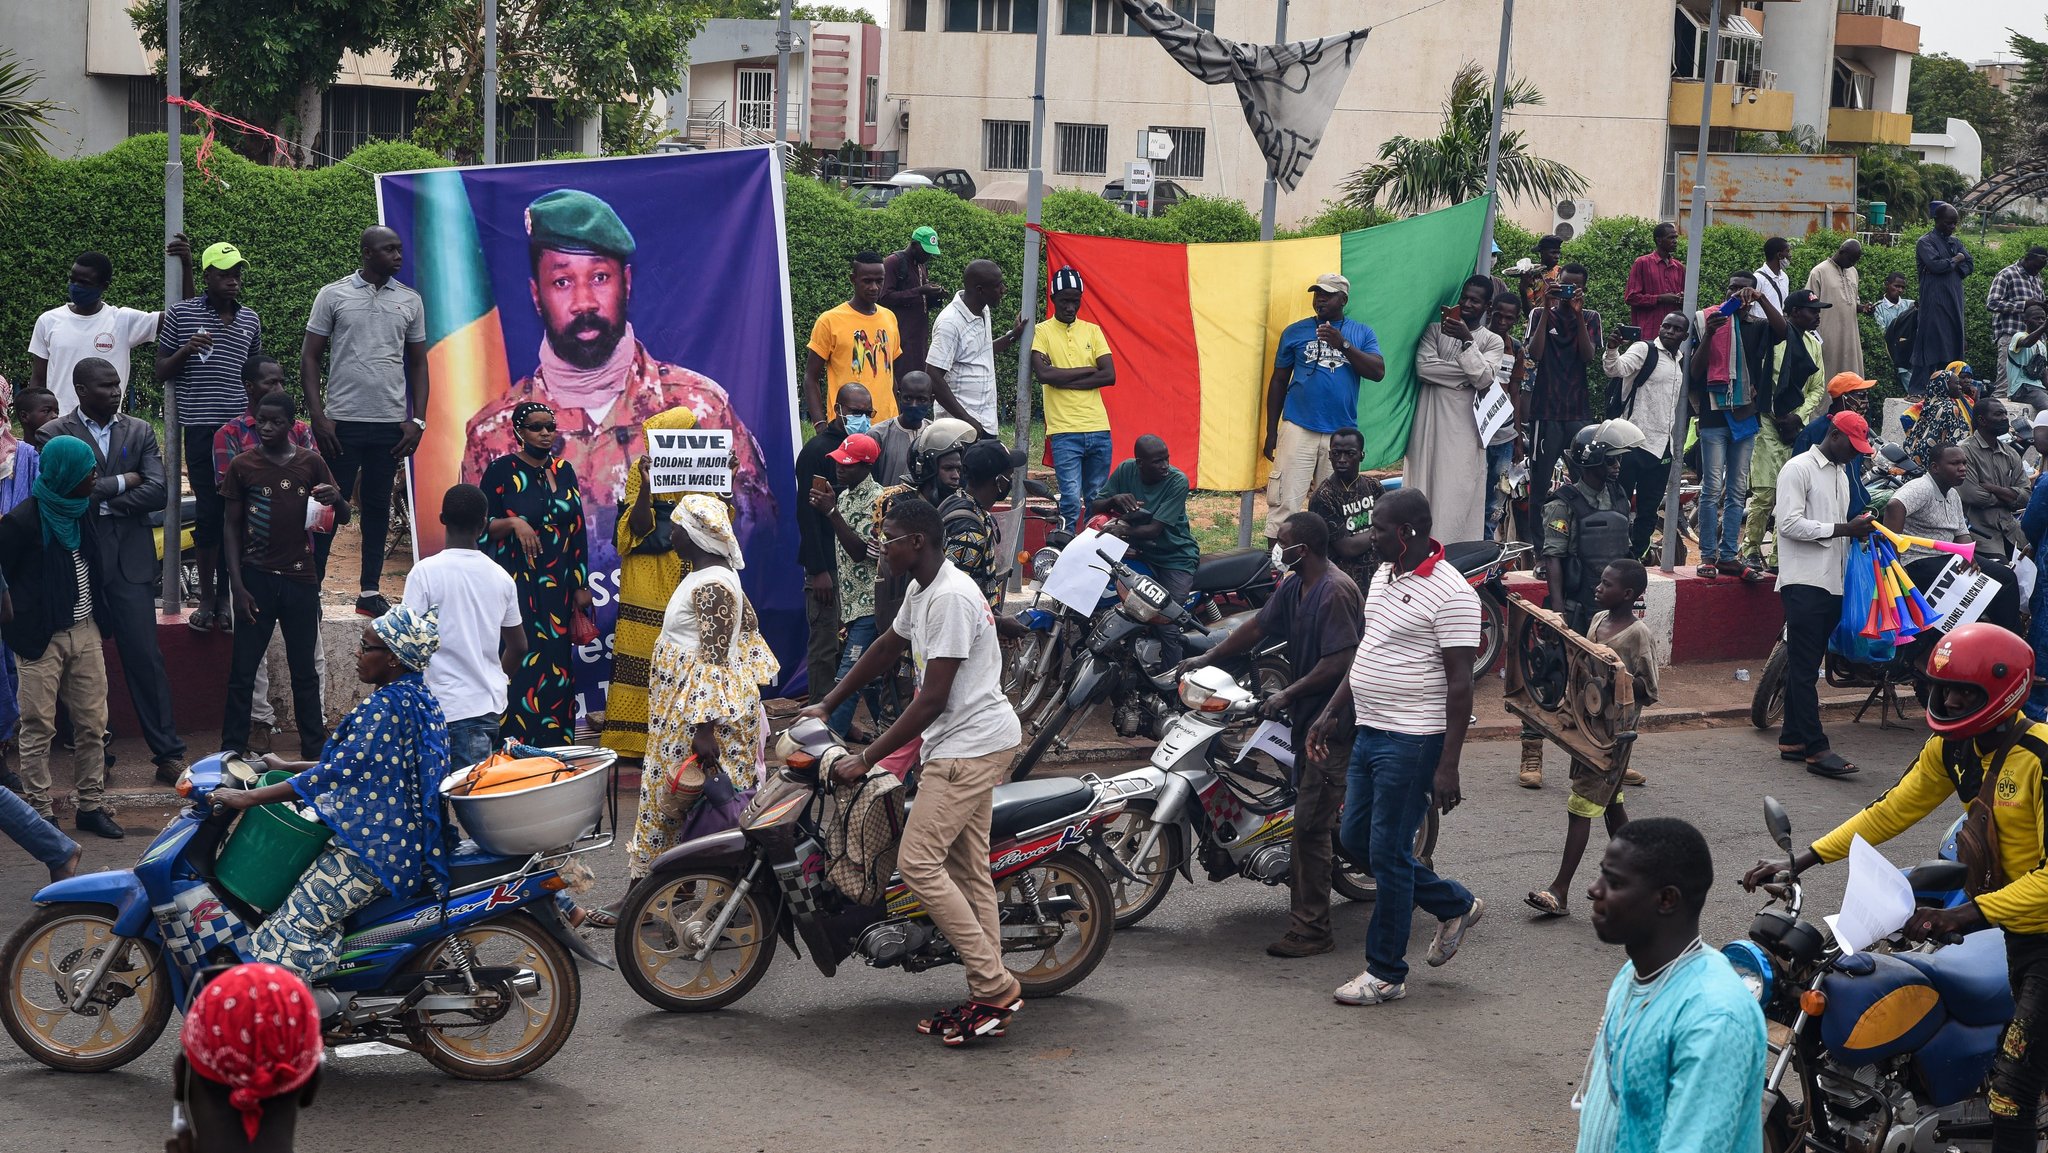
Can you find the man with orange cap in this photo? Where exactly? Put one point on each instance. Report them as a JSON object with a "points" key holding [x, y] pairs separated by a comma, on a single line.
{"points": [[249, 1060], [1847, 392]]}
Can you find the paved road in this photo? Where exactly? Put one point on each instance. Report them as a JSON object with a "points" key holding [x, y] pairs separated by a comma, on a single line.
{"points": [[1187, 1038]]}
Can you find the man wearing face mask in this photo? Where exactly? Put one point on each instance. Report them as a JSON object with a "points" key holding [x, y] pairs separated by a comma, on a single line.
{"points": [[89, 326], [816, 472], [899, 432]]}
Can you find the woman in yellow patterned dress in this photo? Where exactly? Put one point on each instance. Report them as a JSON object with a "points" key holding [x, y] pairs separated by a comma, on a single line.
{"points": [[649, 570], [705, 682]]}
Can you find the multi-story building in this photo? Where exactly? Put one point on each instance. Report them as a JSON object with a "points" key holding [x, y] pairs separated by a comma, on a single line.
{"points": [[1621, 81], [835, 80]]}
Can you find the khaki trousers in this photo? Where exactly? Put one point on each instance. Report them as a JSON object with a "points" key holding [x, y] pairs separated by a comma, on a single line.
{"points": [[74, 670], [1301, 461], [944, 859]]}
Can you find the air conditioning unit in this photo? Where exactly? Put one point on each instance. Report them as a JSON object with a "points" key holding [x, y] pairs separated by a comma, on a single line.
{"points": [[1570, 217], [1727, 72], [1767, 80], [903, 120]]}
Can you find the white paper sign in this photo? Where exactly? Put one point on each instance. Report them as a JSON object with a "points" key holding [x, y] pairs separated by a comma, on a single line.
{"points": [[1958, 596], [2024, 569], [1492, 411], [1275, 739], [1876, 902], [689, 460], [1082, 572]]}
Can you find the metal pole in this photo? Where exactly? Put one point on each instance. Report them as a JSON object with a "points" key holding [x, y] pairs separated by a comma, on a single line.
{"points": [[1500, 96], [1696, 230], [1034, 202], [490, 81], [1269, 210], [783, 43], [174, 222]]}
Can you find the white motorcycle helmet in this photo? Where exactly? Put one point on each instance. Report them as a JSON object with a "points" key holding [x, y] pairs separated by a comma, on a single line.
{"points": [[1603, 442], [934, 440]]}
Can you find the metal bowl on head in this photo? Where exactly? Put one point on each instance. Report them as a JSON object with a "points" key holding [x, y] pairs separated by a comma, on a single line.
{"points": [[548, 815]]}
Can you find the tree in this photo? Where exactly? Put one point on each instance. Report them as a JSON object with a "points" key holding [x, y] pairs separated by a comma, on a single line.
{"points": [[772, 9], [583, 55], [24, 119], [2030, 95], [1943, 86], [1417, 175], [268, 62]]}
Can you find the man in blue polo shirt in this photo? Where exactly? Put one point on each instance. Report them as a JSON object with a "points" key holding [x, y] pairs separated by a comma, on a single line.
{"points": [[1313, 394]]}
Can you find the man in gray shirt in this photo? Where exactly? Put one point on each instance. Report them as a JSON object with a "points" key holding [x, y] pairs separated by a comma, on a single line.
{"points": [[375, 331]]}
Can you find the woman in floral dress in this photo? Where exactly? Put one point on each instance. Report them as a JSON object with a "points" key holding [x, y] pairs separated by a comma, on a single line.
{"points": [[536, 534], [705, 692]]}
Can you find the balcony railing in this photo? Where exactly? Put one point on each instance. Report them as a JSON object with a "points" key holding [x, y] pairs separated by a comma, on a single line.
{"points": [[1888, 9]]}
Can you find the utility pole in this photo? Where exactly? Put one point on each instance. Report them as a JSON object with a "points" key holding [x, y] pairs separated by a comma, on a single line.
{"points": [[1696, 231], [784, 41], [1034, 203], [490, 81], [1500, 97], [1247, 503], [174, 222]]}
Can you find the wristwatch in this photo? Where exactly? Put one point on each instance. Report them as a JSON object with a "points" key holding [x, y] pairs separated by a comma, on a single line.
{"points": [[420, 421]]}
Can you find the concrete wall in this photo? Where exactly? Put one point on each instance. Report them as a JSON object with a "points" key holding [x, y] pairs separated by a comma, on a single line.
{"points": [[53, 39], [1959, 147], [1800, 47], [1605, 94]]}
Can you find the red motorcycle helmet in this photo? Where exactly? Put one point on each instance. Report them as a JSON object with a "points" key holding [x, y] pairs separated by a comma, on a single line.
{"points": [[1996, 666]]}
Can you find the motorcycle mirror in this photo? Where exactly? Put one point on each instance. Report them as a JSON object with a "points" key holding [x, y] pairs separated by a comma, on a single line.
{"points": [[1778, 822]]}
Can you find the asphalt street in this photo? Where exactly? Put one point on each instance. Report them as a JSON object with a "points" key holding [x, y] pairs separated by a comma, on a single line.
{"points": [[1187, 1038]]}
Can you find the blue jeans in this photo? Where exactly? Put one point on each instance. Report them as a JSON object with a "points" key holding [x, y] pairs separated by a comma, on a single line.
{"points": [[1724, 490], [1081, 461], [1385, 798], [43, 840], [471, 739], [860, 633], [1498, 458], [2037, 636]]}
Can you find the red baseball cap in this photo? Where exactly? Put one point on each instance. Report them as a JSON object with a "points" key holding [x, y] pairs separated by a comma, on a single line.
{"points": [[860, 448], [1853, 426]]}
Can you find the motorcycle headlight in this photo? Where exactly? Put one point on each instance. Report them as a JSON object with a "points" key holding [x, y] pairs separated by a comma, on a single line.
{"points": [[1208, 690], [1042, 562], [1144, 600], [1754, 966]]}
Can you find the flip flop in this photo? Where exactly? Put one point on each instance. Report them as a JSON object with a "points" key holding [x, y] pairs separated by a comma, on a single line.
{"points": [[1543, 902], [1830, 764]]}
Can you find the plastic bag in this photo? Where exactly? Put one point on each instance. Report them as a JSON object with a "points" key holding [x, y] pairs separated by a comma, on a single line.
{"points": [[582, 630], [1859, 601]]}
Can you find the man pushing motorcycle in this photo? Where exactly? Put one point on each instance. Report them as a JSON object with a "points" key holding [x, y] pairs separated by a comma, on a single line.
{"points": [[969, 732], [1991, 758]]}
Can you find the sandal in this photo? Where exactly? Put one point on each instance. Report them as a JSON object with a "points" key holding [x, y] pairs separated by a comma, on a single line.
{"points": [[1751, 574], [943, 1019], [1707, 571], [981, 1019], [1792, 753], [589, 918], [1831, 765], [1543, 902], [202, 620]]}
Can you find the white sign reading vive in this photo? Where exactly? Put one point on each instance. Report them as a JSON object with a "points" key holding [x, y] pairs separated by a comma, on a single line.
{"points": [[1959, 596], [689, 460]]}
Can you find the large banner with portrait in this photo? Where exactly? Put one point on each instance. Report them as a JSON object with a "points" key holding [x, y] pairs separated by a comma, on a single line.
{"points": [[612, 291]]}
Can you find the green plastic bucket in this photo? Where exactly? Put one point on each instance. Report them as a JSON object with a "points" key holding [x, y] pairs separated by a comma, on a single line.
{"points": [[269, 849]]}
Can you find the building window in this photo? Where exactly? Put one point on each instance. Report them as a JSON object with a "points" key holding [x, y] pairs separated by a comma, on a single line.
{"points": [[146, 107], [1006, 145], [963, 15], [1083, 149], [1742, 49], [1190, 153], [1852, 84], [913, 15], [871, 100], [1201, 12], [1109, 18], [539, 138], [351, 117]]}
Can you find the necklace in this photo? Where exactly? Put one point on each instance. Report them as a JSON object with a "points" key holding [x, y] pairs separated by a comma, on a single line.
{"points": [[1613, 1044]]}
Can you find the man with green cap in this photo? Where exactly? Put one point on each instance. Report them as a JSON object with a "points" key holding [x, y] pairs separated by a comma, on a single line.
{"points": [[908, 292], [601, 382]]}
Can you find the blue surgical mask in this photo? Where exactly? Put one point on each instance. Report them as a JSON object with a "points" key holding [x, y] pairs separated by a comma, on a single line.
{"points": [[858, 422], [85, 295], [914, 415]]}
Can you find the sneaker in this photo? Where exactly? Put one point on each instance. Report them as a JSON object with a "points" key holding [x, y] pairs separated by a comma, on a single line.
{"points": [[1366, 989], [259, 737], [1450, 934], [101, 823], [980, 1019], [1296, 945], [11, 781], [169, 770], [372, 606]]}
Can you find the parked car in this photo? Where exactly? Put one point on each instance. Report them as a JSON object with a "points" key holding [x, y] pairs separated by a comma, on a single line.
{"points": [[1165, 192], [878, 193], [953, 180]]}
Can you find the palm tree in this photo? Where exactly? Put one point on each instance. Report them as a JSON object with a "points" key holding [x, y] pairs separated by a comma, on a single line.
{"points": [[1449, 168], [24, 120]]}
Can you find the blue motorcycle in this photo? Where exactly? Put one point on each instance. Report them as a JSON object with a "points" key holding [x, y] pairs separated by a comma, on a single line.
{"points": [[482, 983], [1884, 1049]]}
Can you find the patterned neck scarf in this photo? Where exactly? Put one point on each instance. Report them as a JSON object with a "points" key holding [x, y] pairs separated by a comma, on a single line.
{"points": [[378, 784]]}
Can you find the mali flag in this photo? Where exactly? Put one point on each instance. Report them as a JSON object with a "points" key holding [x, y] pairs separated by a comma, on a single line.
{"points": [[1195, 327], [465, 346]]}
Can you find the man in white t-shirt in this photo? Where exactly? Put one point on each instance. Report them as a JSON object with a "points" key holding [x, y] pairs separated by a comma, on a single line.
{"points": [[89, 326], [1772, 280], [482, 639], [969, 732]]}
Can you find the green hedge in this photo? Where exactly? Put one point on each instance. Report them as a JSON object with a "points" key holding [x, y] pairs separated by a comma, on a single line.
{"points": [[299, 229]]}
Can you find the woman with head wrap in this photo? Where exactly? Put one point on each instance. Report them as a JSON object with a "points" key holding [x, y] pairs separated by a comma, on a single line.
{"points": [[249, 1060], [649, 570], [705, 692], [536, 533], [377, 784]]}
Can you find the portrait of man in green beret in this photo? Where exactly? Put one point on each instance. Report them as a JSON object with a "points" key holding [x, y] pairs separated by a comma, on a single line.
{"points": [[601, 381]]}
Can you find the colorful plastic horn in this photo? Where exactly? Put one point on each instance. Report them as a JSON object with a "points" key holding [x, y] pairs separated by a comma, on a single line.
{"points": [[1967, 550]]}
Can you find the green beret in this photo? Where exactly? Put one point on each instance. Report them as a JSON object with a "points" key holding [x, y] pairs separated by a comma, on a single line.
{"points": [[568, 220]]}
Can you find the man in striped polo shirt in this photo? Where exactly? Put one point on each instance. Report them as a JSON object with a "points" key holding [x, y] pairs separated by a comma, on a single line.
{"points": [[1410, 691]]}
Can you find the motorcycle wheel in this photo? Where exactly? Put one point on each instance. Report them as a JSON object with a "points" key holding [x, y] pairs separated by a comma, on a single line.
{"points": [[1135, 900], [1054, 727], [1493, 626], [1355, 881], [1767, 704], [1045, 972], [663, 923], [57, 946], [525, 1030]]}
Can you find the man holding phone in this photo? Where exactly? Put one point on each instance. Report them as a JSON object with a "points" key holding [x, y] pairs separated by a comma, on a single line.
{"points": [[1456, 361], [1564, 337], [815, 536], [1313, 393]]}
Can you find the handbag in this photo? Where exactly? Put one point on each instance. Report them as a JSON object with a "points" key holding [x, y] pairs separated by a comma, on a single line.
{"points": [[582, 630]]}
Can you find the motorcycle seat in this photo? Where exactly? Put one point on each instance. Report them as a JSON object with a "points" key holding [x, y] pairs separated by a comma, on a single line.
{"points": [[1469, 556], [1028, 804], [1973, 983], [1230, 570], [1196, 643]]}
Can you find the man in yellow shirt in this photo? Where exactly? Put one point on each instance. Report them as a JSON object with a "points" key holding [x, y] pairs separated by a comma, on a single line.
{"points": [[855, 343], [1978, 676], [1070, 357]]}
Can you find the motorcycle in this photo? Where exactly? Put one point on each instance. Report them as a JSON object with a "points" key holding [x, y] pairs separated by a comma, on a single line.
{"points": [[482, 983], [1486, 564], [1196, 792], [698, 932], [1887, 1048]]}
